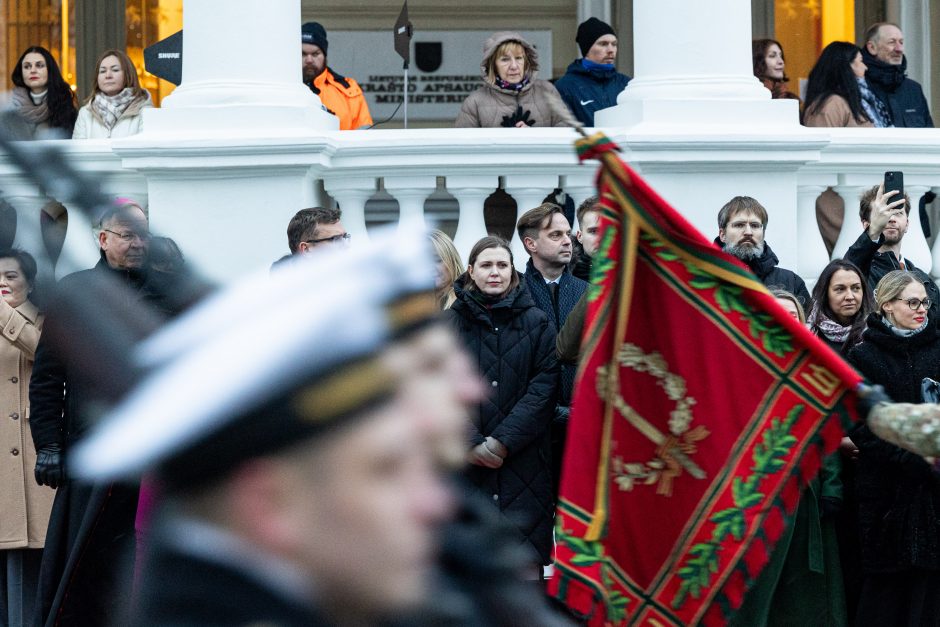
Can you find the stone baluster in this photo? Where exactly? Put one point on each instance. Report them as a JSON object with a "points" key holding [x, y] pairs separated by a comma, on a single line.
{"points": [[914, 246], [934, 213], [811, 254], [851, 226], [351, 195], [471, 193], [27, 201], [580, 186], [80, 249], [528, 190], [410, 192]]}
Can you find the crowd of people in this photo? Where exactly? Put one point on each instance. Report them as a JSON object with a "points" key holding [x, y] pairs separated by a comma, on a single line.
{"points": [[270, 513]]}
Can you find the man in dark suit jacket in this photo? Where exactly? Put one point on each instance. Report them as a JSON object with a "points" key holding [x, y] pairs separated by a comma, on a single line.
{"points": [[546, 235]]}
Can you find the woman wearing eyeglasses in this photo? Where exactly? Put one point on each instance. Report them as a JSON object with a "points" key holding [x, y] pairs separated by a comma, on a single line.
{"points": [[898, 491]]}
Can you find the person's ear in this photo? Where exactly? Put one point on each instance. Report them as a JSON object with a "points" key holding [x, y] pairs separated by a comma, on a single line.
{"points": [[529, 244], [255, 498], [102, 238], [721, 236], [870, 47]]}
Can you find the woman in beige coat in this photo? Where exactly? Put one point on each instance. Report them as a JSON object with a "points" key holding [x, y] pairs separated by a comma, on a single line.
{"points": [[24, 505], [511, 95]]}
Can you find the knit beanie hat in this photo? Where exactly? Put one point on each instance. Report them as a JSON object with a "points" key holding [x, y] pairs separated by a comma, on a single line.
{"points": [[590, 31], [314, 33]]}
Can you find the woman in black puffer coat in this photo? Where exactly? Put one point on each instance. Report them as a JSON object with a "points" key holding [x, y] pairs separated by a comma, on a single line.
{"points": [[513, 343], [898, 491]]}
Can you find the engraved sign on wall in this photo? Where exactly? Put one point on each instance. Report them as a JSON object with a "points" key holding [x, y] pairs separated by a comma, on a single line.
{"points": [[445, 68]]}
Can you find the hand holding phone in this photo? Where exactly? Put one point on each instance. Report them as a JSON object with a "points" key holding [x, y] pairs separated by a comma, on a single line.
{"points": [[894, 181]]}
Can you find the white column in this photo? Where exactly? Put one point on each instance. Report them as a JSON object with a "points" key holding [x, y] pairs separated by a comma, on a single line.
{"points": [[851, 225], [351, 195], [594, 8], [692, 62], [914, 245], [410, 192], [528, 190], [241, 68], [811, 254], [471, 193]]}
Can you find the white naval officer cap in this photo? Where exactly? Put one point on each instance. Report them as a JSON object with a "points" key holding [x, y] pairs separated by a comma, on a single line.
{"points": [[265, 363]]}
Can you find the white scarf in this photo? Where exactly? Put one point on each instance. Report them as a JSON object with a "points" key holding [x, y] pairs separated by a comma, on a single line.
{"points": [[110, 108]]}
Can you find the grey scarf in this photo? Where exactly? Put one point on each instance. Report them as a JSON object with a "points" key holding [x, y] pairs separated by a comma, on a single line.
{"points": [[33, 113], [904, 332]]}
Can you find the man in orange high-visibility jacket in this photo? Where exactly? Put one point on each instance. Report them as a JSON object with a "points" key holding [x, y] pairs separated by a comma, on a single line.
{"points": [[341, 95]]}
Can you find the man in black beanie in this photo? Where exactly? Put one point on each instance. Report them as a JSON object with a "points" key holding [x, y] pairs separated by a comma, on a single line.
{"points": [[340, 94], [592, 82]]}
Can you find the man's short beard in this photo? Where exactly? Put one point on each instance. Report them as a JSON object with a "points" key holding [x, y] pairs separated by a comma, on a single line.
{"points": [[891, 241], [745, 252]]}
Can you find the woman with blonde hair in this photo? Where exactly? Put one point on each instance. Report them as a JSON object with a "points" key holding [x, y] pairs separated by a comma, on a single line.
{"points": [[898, 491], [114, 107], [511, 95], [449, 267]]}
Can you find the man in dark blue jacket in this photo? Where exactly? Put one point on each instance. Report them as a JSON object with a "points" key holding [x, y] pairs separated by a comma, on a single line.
{"points": [[546, 234], [592, 82], [883, 53]]}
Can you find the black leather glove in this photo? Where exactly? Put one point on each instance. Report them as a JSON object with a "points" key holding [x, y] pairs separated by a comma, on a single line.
{"points": [[518, 116], [868, 397], [49, 467]]}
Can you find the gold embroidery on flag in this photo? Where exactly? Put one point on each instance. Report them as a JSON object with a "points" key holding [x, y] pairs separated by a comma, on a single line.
{"points": [[821, 379], [674, 449]]}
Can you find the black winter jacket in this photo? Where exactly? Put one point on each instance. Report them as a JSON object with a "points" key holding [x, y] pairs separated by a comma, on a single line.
{"points": [[56, 394], [588, 91], [773, 276], [513, 343], [898, 491], [874, 265], [903, 96]]}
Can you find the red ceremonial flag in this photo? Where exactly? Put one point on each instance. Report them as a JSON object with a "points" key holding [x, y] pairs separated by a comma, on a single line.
{"points": [[700, 412]]}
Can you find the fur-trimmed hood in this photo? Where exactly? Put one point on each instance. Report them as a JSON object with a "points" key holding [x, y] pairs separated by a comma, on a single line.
{"points": [[497, 39]]}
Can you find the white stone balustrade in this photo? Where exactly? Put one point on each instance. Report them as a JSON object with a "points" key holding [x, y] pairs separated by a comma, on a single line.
{"points": [[471, 192], [528, 190], [410, 192], [697, 174]]}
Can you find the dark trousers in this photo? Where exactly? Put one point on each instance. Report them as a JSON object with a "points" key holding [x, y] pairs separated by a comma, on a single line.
{"points": [[19, 577]]}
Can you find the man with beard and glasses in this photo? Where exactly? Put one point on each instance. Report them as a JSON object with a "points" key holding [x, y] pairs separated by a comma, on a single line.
{"points": [[877, 251], [742, 223]]}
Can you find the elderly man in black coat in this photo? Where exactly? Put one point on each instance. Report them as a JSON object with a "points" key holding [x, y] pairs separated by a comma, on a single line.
{"points": [[91, 526], [883, 54]]}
